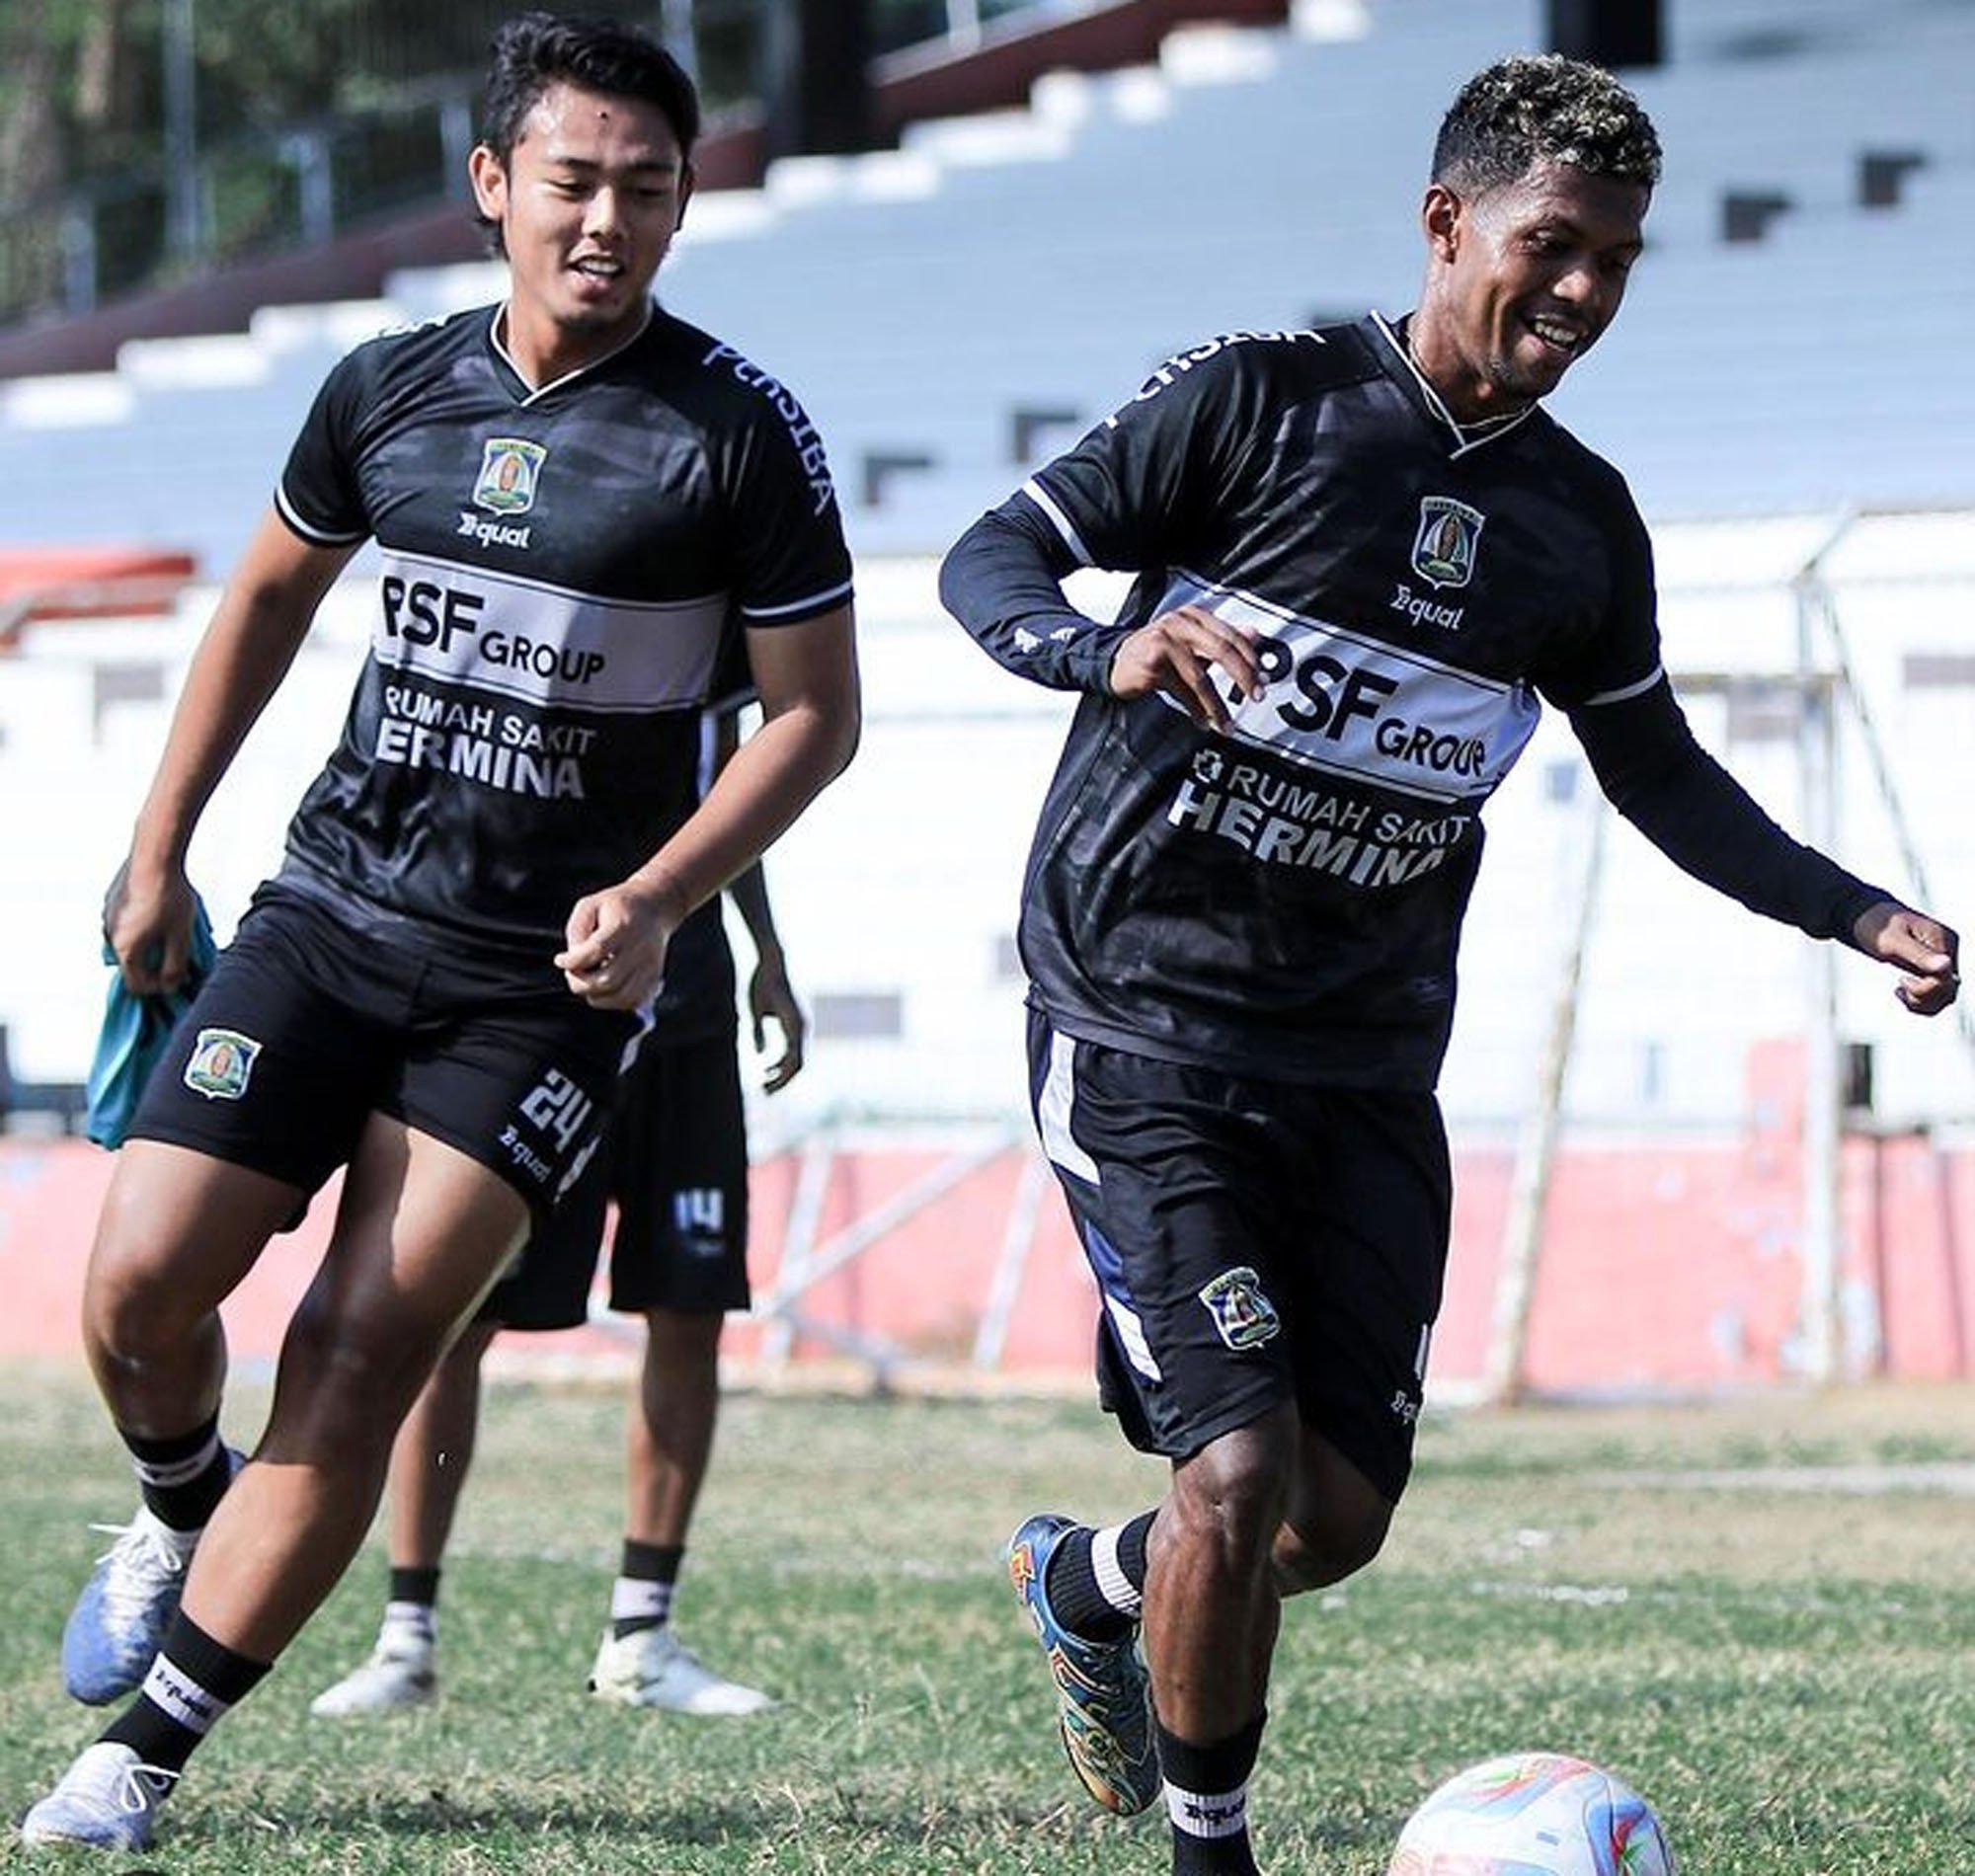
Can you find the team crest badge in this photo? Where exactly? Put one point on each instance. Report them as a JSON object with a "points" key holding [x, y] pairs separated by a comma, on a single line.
{"points": [[509, 469], [1244, 1317], [1449, 533], [221, 1064]]}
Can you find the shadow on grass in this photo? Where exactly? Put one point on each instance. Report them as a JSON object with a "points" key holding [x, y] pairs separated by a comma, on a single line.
{"points": [[771, 1816], [877, 1825]]}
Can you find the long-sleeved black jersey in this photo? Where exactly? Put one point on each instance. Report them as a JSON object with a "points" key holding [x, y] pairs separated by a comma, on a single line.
{"points": [[1285, 899], [561, 570]]}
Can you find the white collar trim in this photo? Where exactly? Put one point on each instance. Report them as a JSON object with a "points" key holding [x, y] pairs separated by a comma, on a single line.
{"points": [[494, 334], [1467, 436]]}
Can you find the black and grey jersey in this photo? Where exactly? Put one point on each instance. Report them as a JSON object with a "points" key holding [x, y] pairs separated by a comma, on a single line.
{"points": [[1286, 898], [560, 570]]}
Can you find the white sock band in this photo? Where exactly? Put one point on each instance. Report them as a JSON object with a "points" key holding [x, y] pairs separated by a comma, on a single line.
{"points": [[1207, 1814], [410, 1620], [639, 1599], [170, 1472], [1113, 1583], [174, 1693]]}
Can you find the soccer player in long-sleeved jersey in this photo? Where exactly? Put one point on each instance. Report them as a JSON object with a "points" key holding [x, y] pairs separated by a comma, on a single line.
{"points": [[1365, 556]]}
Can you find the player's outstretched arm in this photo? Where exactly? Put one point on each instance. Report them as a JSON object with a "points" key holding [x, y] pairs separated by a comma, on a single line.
{"points": [[262, 618], [1927, 953]]}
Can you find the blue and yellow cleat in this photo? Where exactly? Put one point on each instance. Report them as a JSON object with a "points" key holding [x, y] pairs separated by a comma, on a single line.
{"points": [[1103, 1698]]}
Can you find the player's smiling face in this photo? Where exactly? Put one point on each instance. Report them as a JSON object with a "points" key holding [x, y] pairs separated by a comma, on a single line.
{"points": [[587, 203], [1522, 281]]}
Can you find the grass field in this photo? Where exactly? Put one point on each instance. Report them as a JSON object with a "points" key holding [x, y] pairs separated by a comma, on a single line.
{"points": [[1763, 1614]]}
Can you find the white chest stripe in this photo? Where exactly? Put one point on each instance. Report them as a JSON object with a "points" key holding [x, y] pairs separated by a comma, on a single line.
{"points": [[540, 644], [1350, 705]]}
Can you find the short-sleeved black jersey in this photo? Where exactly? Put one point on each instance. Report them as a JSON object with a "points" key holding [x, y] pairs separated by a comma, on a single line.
{"points": [[561, 568], [1285, 899]]}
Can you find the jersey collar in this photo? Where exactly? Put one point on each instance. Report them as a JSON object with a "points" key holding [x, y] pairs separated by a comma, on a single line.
{"points": [[531, 394], [1467, 436]]}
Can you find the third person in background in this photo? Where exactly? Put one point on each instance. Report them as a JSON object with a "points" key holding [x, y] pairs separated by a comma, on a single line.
{"points": [[675, 1164]]}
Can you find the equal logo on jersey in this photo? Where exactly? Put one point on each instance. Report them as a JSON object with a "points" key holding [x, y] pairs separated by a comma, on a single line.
{"points": [[1243, 1316], [1349, 704], [510, 469], [1448, 536], [221, 1064]]}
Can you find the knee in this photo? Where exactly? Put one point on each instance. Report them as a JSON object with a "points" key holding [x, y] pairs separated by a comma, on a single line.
{"points": [[132, 1314], [1318, 1546], [1231, 1497], [351, 1379], [679, 1341]]}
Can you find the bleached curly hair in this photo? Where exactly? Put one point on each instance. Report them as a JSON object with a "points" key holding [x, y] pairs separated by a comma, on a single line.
{"points": [[1523, 111]]}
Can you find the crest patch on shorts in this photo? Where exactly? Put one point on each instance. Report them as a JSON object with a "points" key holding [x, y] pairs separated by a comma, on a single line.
{"points": [[1244, 1317], [221, 1064]]}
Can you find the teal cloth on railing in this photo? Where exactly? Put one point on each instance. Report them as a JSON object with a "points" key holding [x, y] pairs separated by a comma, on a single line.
{"points": [[134, 1032]]}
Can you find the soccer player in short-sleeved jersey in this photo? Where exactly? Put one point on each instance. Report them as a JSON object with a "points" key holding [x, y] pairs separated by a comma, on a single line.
{"points": [[1364, 557], [577, 501]]}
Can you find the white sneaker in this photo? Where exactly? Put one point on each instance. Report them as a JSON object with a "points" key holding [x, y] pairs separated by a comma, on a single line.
{"points": [[398, 1675], [108, 1798], [653, 1667], [113, 1632], [118, 1621]]}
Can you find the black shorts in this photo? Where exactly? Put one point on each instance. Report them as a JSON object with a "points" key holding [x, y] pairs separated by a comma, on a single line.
{"points": [[1253, 1241], [676, 1163], [305, 1028]]}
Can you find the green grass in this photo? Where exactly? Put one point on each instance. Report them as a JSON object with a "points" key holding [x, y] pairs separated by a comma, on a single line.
{"points": [[1782, 1664]]}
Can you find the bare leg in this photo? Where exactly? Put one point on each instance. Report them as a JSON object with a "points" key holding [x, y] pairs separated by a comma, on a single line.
{"points": [[1212, 1608], [671, 1436], [422, 1233], [670, 1440], [177, 1234], [1269, 1510], [1259, 1514], [433, 1450], [1336, 1522]]}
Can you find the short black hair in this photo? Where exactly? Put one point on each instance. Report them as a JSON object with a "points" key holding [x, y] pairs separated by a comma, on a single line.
{"points": [[1525, 110], [535, 50]]}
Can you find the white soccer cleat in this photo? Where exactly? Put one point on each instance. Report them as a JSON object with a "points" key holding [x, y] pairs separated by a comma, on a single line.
{"points": [[118, 1621], [107, 1799], [653, 1667], [397, 1675]]}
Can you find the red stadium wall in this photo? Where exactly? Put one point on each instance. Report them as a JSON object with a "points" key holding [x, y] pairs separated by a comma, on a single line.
{"points": [[1664, 1267]]}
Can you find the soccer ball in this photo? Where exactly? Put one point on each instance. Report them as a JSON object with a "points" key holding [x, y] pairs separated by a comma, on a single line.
{"points": [[1533, 1814]]}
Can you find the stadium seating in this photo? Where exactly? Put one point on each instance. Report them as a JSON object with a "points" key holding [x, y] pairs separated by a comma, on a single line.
{"points": [[956, 309], [923, 301]]}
